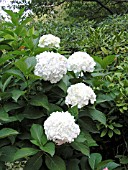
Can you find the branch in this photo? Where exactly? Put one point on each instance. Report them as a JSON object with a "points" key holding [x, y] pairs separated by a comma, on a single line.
{"points": [[105, 7]]}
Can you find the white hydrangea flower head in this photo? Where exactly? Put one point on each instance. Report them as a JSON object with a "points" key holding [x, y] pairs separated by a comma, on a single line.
{"points": [[49, 40], [60, 127], [80, 94], [51, 66], [81, 61]]}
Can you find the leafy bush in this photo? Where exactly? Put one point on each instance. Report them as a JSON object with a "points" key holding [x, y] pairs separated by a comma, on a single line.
{"points": [[27, 101]]}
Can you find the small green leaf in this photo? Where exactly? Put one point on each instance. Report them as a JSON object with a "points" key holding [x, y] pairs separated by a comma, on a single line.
{"points": [[117, 131], [110, 133], [24, 152], [55, 163], [5, 132], [103, 133]]}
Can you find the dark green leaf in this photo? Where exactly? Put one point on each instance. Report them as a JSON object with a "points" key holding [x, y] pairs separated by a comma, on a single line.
{"points": [[34, 163], [5, 132], [37, 132], [40, 100], [73, 164], [94, 160], [55, 163], [83, 148], [49, 148], [24, 152]]}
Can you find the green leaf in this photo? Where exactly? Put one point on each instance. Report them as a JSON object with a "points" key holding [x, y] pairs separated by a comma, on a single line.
{"points": [[16, 94], [55, 163], [117, 131], [103, 98], [49, 148], [62, 86], [124, 160], [110, 133], [34, 163], [5, 132], [24, 152], [14, 17], [21, 65], [112, 165], [73, 164], [107, 61], [6, 83], [103, 133], [83, 148], [37, 133], [40, 100], [16, 73], [3, 115], [96, 115], [7, 153], [94, 160], [74, 111]]}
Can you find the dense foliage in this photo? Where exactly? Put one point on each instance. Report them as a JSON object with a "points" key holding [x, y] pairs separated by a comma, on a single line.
{"points": [[26, 101]]}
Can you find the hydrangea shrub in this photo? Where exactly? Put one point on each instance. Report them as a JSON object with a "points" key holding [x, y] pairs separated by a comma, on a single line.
{"points": [[48, 113]]}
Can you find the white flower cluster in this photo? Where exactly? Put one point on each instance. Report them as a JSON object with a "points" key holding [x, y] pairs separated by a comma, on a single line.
{"points": [[18, 165], [51, 66], [60, 127], [81, 61], [49, 40], [80, 94]]}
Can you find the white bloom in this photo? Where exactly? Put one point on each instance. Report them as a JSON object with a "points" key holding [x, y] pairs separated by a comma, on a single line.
{"points": [[80, 94], [81, 61], [60, 127], [51, 66], [49, 40]]}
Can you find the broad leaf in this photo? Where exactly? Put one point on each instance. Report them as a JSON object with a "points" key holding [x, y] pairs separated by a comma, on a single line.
{"points": [[40, 100], [37, 133], [49, 148], [24, 152], [55, 163], [5, 132], [94, 160], [34, 163], [73, 164], [81, 147]]}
